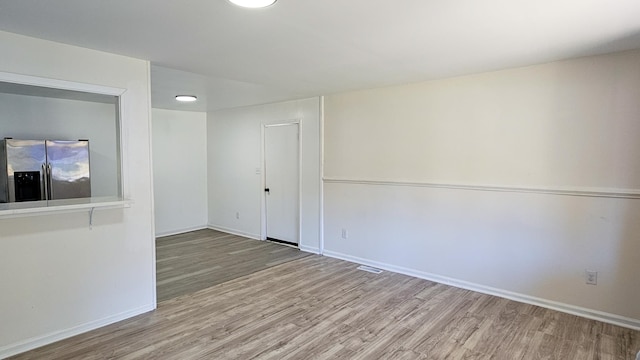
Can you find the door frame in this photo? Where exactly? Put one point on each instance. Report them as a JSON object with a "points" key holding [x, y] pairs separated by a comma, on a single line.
{"points": [[263, 197]]}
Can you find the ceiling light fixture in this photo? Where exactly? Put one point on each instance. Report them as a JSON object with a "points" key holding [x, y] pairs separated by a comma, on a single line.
{"points": [[253, 3], [186, 98]]}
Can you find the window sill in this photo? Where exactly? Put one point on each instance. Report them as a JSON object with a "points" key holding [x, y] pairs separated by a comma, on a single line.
{"points": [[35, 208]]}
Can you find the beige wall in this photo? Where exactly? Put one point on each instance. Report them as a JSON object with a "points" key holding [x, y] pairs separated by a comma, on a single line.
{"points": [[512, 182], [562, 124]]}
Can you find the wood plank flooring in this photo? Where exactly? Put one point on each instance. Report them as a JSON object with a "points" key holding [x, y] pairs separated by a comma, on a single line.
{"points": [[196, 260], [322, 308]]}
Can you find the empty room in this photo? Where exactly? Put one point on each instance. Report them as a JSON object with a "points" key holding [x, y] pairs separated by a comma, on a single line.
{"points": [[260, 179]]}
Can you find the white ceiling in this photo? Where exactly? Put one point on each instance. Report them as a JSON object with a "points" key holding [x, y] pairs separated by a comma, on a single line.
{"points": [[230, 56]]}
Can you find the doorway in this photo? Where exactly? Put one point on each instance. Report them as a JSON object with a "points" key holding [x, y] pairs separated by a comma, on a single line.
{"points": [[282, 182]]}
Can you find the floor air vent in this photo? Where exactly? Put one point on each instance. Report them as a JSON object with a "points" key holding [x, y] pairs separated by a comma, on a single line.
{"points": [[369, 269]]}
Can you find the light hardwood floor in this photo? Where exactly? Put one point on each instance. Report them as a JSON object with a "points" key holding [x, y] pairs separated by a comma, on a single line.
{"points": [[322, 308], [196, 260]]}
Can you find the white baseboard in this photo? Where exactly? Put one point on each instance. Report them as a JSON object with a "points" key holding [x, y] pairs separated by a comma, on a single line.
{"points": [[180, 231], [309, 249], [39, 341], [234, 231], [549, 304]]}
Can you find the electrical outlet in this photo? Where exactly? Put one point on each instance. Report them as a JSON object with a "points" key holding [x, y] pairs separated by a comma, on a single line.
{"points": [[345, 234], [237, 215], [591, 277]]}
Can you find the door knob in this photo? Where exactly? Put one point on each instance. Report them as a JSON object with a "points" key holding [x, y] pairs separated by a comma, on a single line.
{"points": [[266, 190]]}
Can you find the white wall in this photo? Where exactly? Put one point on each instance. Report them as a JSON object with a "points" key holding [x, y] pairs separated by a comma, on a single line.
{"points": [[512, 182], [179, 170], [40, 118], [235, 167], [58, 276]]}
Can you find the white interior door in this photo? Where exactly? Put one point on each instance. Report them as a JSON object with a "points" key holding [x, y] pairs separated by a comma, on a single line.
{"points": [[282, 181]]}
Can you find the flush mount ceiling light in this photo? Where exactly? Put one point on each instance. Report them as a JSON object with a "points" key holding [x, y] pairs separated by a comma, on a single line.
{"points": [[186, 98], [253, 3]]}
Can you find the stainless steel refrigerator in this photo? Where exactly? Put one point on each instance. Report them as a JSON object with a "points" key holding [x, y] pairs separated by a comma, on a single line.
{"points": [[32, 170]]}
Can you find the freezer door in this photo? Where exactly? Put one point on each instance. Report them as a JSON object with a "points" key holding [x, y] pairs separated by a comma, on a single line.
{"points": [[26, 158], [68, 169]]}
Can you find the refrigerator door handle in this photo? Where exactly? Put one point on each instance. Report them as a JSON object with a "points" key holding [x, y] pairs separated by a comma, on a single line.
{"points": [[50, 186], [45, 182]]}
